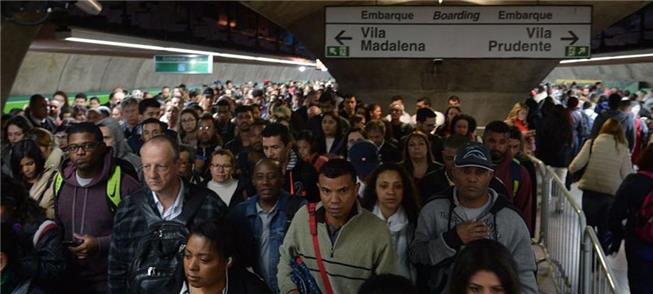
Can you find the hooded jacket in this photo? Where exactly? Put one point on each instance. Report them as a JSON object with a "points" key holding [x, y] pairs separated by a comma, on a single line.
{"points": [[436, 241], [85, 210]]}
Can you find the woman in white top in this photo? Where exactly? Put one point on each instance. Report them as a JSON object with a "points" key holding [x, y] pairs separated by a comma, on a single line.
{"points": [[223, 183], [607, 164], [391, 195]]}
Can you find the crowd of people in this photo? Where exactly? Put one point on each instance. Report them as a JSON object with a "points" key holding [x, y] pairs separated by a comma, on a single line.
{"points": [[297, 187]]}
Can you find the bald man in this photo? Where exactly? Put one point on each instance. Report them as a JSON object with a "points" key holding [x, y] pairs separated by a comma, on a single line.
{"points": [[262, 220], [165, 199]]}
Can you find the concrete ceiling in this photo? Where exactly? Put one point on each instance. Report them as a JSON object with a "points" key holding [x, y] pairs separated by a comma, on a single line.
{"points": [[377, 79]]}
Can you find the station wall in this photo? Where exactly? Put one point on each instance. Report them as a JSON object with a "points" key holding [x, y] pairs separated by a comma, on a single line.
{"points": [[45, 72], [631, 72]]}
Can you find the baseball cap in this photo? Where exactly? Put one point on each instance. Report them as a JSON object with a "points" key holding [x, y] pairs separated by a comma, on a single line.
{"points": [[363, 155], [474, 154]]}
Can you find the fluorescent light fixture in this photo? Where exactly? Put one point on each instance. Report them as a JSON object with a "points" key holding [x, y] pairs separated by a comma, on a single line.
{"points": [[320, 65], [631, 56], [190, 51], [302, 68]]}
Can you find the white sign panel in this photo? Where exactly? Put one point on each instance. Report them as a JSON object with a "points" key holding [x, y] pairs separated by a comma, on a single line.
{"points": [[458, 32]]}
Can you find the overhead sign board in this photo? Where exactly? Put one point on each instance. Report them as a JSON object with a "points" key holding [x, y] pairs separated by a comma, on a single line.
{"points": [[183, 64], [555, 32]]}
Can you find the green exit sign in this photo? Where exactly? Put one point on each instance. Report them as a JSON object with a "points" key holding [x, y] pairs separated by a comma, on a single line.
{"points": [[577, 51], [183, 64], [337, 51]]}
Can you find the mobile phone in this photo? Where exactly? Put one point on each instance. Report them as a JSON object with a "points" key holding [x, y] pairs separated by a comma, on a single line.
{"points": [[72, 243]]}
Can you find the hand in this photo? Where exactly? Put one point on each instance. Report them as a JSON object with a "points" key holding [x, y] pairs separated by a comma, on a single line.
{"points": [[88, 247], [472, 230]]}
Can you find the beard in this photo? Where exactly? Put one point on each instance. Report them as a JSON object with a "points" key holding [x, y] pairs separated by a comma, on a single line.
{"points": [[497, 157]]}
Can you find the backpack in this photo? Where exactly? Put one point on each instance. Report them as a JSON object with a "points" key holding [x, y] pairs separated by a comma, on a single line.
{"points": [[644, 217], [158, 260], [515, 171]]}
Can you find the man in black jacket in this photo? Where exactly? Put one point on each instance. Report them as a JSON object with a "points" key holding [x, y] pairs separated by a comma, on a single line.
{"points": [[300, 178], [167, 195]]}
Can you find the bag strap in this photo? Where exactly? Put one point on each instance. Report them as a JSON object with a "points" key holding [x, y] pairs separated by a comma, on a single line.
{"points": [[316, 247]]}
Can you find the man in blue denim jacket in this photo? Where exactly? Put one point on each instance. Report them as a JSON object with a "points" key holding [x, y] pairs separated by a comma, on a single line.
{"points": [[263, 220]]}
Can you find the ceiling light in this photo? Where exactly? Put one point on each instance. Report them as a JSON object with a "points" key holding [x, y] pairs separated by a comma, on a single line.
{"points": [[302, 68], [190, 51], [631, 56]]}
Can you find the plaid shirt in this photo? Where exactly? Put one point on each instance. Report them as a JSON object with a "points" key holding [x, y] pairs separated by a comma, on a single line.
{"points": [[130, 226]]}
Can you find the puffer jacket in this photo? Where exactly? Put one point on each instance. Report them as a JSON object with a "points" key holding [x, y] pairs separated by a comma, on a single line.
{"points": [[607, 166]]}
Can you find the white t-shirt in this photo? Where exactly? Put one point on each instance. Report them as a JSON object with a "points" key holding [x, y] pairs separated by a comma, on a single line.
{"points": [[83, 181]]}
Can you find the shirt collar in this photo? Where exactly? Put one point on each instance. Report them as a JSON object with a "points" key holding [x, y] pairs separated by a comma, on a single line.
{"points": [[175, 209]]}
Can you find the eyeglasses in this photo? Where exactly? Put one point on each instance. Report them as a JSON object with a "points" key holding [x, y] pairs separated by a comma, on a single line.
{"points": [[220, 166], [204, 128], [85, 146]]}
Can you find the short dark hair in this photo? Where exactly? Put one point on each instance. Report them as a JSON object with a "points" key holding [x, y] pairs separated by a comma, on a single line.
{"points": [[81, 95], [22, 149], [614, 100], [456, 141], [147, 103], [277, 129], [424, 99], [515, 133], [496, 126], [375, 124], [220, 234], [572, 102], [387, 284], [397, 98], [338, 167], [485, 255], [86, 127], [223, 102], [35, 97], [152, 120], [424, 113], [243, 108]]}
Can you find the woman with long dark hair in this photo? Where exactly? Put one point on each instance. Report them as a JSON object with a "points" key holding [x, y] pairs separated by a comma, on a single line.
{"points": [[445, 129], [14, 131], [332, 143], [484, 266], [39, 256], [28, 166], [392, 196], [419, 162], [188, 126]]}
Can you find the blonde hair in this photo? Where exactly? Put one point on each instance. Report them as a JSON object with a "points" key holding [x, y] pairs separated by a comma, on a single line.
{"points": [[514, 112], [41, 136], [614, 128]]}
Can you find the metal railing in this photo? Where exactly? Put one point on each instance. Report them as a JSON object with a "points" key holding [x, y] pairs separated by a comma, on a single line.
{"points": [[570, 247]]}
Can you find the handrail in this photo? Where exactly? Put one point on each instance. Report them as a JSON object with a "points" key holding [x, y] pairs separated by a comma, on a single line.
{"points": [[566, 193], [601, 257]]}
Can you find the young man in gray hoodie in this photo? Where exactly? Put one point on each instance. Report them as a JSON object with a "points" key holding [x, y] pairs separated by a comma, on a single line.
{"points": [[469, 211]]}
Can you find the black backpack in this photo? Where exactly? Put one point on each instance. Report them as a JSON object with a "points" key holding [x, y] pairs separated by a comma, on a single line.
{"points": [[158, 263]]}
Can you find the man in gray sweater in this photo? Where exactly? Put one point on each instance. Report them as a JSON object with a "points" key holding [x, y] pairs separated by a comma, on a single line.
{"points": [[469, 211]]}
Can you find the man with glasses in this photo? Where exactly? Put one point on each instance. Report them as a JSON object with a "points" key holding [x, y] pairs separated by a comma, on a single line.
{"points": [[167, 197], [262, 220], [89, 191]]}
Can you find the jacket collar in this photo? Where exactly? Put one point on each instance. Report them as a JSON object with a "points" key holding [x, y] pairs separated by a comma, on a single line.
{"points": [[282, 203]]}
